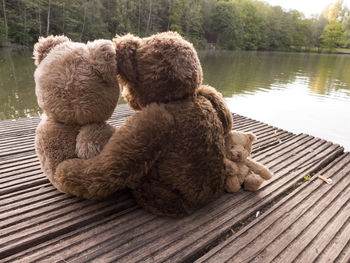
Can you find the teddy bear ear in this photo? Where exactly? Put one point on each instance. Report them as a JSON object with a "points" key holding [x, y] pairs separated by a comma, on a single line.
{"points": [[251, 136], [102, 57], [44, 45], [126, 47]]}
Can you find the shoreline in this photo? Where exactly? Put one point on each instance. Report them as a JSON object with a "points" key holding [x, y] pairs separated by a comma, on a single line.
{"points": [[340, 51]]}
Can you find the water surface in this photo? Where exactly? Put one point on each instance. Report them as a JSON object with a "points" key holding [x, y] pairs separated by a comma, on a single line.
{"points": [[298, 92], [17, 95]]}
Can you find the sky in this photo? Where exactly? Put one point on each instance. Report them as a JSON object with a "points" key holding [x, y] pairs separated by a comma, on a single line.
{"points": [[308, 7]]}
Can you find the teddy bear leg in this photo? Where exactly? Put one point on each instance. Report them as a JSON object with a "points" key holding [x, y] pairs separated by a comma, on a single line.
{"points": [[232, 184], [252, 182], [159, 199]]}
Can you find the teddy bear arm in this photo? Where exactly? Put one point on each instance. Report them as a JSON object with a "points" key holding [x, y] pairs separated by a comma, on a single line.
{"points": [[92, 138], [127, 156], [259, 169], [219, 105]]}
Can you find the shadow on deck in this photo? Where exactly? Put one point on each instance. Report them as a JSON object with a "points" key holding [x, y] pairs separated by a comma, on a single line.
{"points": [[289, 218]]}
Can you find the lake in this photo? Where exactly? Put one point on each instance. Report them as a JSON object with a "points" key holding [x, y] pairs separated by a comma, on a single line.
{"points": [[298, 92]]}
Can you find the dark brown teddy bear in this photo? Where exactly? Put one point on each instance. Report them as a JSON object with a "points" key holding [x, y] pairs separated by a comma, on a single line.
{"points": [[77, 90], [170, 153]]}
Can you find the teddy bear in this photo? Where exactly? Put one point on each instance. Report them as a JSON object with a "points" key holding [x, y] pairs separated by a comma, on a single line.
{"points": [[77, 91], [241, 169], [171, 152]]}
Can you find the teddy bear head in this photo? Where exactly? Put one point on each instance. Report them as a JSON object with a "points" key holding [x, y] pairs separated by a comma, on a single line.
{"points": [[161, 68], [76, 82], [239, 145]]}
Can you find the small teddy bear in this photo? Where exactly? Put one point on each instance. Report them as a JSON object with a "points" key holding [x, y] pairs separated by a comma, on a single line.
{"points": [[171, 152], [77, 90], [241, 169]]}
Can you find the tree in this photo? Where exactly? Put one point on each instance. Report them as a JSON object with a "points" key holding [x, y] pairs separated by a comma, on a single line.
{"points": [[149, 17], [5, 18], [228, 25], [48, 18], [335, 11], [333, 36], [250, 22]]}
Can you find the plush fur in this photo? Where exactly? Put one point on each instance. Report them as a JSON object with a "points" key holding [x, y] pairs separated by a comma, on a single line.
{"points": [[170, 153], [77, 91], [241, 169]]}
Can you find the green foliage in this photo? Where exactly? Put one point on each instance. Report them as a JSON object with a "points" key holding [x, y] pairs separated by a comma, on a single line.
{"points": [[307, 177], [2, 30], [333, 36], [228, 24]]}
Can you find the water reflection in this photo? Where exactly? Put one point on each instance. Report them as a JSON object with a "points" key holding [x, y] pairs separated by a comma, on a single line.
{"points": [[298, 92], [302, 93], [17, 96]]}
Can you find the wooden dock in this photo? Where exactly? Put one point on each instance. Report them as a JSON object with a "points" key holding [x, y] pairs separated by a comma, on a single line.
{"points": [[294, 217]]}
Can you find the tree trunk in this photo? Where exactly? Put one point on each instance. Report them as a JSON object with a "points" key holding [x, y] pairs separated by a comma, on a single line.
{"points": [[187, 22], [82, 30], [149, 17], [48, 19], [5, 18], [25, 19], [39, 16], [64, 17], [139, 19], [25, 24], [170, 13]]}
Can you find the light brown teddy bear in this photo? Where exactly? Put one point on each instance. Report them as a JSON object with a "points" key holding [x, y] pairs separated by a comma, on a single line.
{"points": [[241, 169], [170, 153], [77, 91]]}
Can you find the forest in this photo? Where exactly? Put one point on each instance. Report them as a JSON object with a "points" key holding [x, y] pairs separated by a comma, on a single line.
{"points": [[225, 24]]}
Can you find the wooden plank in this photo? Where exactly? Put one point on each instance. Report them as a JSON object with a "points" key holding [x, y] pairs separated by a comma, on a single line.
{"points": [[62, 216], [14, 163], [17, 150], [25, 196], [202, 235], [344, 256], [15, 124], [295, 229], [24, 185], [13, 141], [267, 134], [183, 238], [12, 176], [10, 158], [86, 234], [46, 225]]}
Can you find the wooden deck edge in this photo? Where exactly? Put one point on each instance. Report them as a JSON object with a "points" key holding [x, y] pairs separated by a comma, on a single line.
{"points": [[224, 235], [266, 207], [343, 255]]}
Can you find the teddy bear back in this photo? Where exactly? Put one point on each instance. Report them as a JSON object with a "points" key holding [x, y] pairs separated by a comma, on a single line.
{"points": [[161, 68], [75, 82]]}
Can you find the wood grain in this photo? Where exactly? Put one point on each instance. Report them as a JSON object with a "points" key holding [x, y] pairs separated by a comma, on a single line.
{"points": [[39, 224]]}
